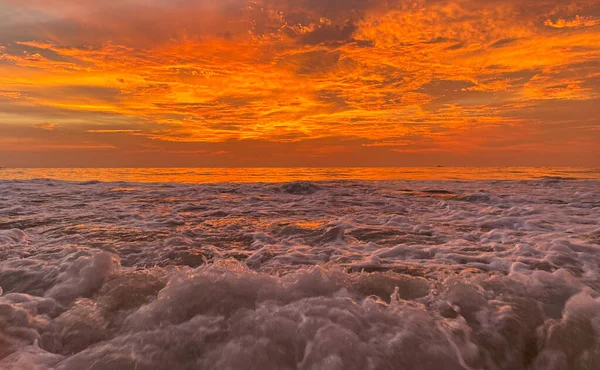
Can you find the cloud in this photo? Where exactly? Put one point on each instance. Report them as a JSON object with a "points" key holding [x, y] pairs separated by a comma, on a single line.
{"points": [[48, 126], [112, 131], [314, 62], [327, 33], [576, 22], [190, 76]]}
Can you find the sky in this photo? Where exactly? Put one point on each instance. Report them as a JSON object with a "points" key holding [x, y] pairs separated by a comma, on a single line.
{"points": [[253, 83]]}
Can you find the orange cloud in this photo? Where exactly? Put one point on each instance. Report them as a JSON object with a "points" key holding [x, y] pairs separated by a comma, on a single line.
{"points": [[576, 22], [361, 77]]}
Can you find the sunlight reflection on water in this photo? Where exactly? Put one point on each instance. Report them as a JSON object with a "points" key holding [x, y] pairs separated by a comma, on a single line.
{"points": [[217, 175]]}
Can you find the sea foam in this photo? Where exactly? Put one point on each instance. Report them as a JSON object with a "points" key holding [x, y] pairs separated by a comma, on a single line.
{"points": [[333, 275]]}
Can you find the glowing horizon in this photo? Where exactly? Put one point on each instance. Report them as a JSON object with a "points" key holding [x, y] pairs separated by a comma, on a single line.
{"points": [[299, 83]]}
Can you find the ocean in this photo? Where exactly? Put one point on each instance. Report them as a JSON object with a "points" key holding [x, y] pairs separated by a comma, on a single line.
{"points": [[343, 268], [244, 175]]}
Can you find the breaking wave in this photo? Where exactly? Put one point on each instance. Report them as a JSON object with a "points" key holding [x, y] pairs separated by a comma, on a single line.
{"points": [[412, 275]]}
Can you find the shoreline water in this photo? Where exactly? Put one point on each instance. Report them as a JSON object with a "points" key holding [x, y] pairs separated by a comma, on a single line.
{"points": [[333, 275]]}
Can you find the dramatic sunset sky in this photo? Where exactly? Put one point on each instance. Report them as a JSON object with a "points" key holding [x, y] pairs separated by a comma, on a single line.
{"points": [[299, 82]]}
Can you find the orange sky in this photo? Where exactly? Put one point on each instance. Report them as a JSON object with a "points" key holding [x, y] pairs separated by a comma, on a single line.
{"points": [[299, 82]]}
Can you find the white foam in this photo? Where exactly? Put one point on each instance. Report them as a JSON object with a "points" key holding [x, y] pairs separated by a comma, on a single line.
{"points": [[354, 275]]}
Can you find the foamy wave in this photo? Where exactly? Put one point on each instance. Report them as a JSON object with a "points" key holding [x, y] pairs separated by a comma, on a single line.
{"points": [[355, 275]]}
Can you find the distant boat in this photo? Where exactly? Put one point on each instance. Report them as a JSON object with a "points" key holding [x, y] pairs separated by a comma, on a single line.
{"points": [[439, 165]]}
